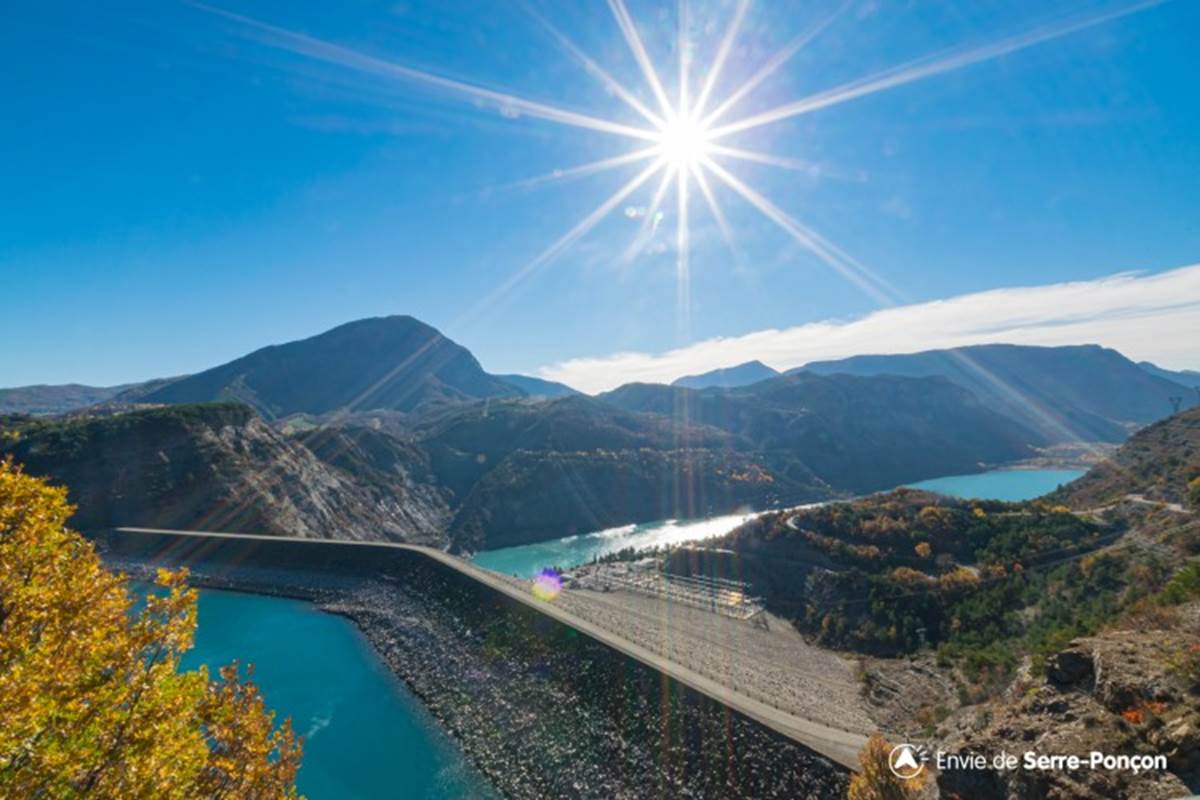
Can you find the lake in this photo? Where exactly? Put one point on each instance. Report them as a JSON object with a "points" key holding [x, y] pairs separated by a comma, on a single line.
{"points": [[525, 561], [366, 737], [1001, 484]]}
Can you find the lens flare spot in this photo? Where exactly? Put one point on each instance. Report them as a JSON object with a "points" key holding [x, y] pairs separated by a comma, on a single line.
{"points": [[547, 585]]}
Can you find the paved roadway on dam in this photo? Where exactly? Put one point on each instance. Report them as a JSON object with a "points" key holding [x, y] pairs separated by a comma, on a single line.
{"points": [[837, 745]]}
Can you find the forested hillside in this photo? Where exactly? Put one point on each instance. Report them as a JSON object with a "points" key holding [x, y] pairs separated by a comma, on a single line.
{"points": [[1160, 462], [858, 434], [895, 572]]}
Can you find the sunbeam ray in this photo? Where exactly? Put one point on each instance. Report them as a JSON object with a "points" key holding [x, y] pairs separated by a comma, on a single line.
{"points": [[589, 64], [682, 257], [508, 104], [684, 60], [714, 208], [581, 170], [682, 134], [778, 60], [782, 162], [873, 285], [714, 71], [646, 229], [565, 241], [928, 67], [629, 31]]}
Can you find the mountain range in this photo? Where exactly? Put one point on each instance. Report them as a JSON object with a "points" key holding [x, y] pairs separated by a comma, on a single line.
{"points": [[399, 364], [1184, 377], [396, 363], [384, 428], [858, 433], [728, 377], [1076, 393], [64, 398]]}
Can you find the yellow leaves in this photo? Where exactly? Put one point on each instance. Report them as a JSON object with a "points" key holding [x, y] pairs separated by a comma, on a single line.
{"points": [[909, 575], [244, 740], [875, 779], [923, 549], [959, 578], [936, 518], [92, 702]]}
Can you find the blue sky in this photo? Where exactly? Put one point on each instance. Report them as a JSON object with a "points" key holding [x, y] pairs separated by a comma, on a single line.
{"points": [[182, 187]]}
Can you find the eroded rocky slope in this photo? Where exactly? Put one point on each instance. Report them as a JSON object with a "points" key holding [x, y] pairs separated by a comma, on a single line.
{"points": [[214, 467], [1130, 691]]}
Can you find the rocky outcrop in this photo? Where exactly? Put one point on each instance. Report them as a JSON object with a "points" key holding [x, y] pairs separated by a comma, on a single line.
{"points": [[1126, 692], [396, 474], [214, 467], [1071, 667]]}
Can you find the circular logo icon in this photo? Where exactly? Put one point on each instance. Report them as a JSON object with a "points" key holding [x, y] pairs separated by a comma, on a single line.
{"points": [[907, 761]]}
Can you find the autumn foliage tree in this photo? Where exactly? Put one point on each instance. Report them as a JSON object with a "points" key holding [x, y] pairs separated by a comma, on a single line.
{"points": [[875, 779], [92, 700]]}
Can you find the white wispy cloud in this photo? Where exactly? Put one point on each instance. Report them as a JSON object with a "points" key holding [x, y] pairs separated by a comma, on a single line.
{"points": [[1153, 316]]}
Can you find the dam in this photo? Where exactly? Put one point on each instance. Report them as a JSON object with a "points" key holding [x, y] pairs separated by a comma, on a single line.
{"points": [[311, 568]]}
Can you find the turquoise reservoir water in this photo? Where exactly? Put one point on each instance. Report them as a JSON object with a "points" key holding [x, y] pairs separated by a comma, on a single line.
{"points": [[526, 560], [365, 736], [1004, 484]]}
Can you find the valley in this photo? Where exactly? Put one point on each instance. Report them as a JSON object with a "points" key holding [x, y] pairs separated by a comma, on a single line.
{"points": [[619, 400], [860, 607], [988, 564], [1062, 624], [413, 440]]}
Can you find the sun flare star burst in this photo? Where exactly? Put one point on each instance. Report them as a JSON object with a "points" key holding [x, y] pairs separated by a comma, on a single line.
{"points": [[689, 145], [684, 143]]}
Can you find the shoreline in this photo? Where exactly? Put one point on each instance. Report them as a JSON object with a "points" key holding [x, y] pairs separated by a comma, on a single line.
{"points": [[326, 601], [538, 709]]}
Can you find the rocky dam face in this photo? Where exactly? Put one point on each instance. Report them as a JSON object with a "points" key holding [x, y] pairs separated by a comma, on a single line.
{"points": [[541, 709]]}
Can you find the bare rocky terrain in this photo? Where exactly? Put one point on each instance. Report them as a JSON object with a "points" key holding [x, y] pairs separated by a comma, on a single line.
{"points": [[1132, 690], [215, 467]]}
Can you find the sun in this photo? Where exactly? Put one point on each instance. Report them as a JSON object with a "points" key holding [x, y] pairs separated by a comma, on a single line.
{"points": [[689, 140], [684, 143]]}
